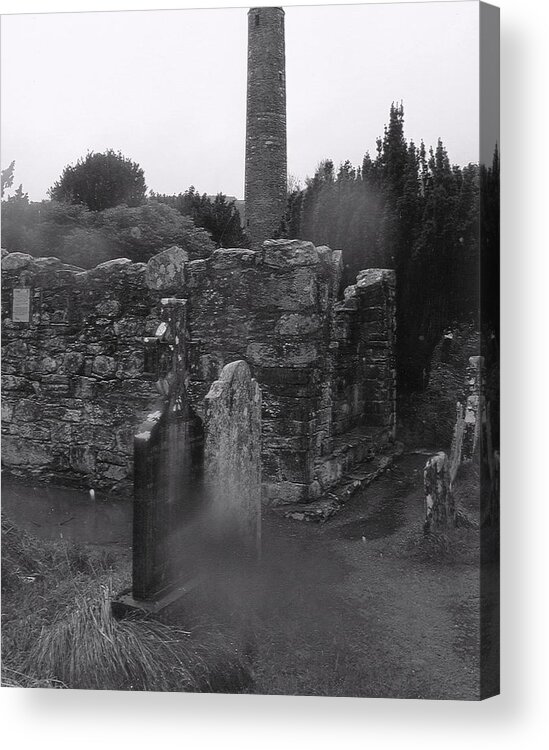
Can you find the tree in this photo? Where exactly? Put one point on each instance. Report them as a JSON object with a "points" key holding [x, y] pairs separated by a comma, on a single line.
{"points": [[7, 177], [18, 220], [219, 216], [101, 181], [411, 211]]}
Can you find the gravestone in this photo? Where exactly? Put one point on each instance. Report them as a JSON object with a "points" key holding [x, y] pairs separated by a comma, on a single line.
{"points": [[440, 511], [168, 452], [469, 416], [232, 458]]}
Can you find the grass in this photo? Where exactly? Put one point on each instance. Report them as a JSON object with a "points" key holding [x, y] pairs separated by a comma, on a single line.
{"points": [[58, 630]]}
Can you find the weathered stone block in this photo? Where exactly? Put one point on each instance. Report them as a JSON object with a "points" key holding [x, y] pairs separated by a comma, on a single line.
{"points": [[18, 451], [112, 471], [224, 258], [28, 411], [61, 433], [293, 324], [14, 383], [73, 362], [104, 366], [14, 350], [108, 308], [287, 354], [166, 271], [82, 459], [31, 431], [83, 387], [17, 261], [289, 253], [48, 365], [7, 411], [287, 292]]}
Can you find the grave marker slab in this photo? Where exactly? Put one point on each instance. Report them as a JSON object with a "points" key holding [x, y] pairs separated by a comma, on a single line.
{"points": [[232, 456]]}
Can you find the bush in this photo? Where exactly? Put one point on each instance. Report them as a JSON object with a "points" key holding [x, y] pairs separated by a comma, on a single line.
{"points": [[139, 233], [100, 181], [85, 238]]}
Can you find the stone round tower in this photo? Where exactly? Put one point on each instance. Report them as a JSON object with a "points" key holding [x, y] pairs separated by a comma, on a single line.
{"points": [[266, 161]]}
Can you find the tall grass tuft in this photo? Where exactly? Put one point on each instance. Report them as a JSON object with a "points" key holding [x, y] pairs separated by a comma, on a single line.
{"points": [[58, 630], [88, 648]]}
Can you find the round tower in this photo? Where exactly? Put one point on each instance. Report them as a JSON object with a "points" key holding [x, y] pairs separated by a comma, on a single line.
{"points": [[266, 162]]}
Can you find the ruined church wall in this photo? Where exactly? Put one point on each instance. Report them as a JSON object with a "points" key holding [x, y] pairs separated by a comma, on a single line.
{"points": [[74, 381], [72, 378], [272, 308], [363, 377]]}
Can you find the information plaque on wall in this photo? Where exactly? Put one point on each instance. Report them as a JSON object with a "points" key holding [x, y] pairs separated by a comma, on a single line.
{"points": [[21, 302]]}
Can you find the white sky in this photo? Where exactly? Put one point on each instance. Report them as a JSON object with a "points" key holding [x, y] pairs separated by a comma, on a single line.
{"points": [[168, 88]]}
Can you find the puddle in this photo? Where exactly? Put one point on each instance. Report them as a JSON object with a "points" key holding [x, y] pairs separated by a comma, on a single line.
{"points": [[61, 513]]}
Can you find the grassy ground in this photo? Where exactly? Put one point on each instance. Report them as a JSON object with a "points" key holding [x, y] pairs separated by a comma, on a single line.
{"points": [[360, 606], [58, 631]]}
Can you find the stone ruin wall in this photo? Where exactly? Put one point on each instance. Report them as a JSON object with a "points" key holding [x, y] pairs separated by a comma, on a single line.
{"points": [[74, 386], [72, 379]]}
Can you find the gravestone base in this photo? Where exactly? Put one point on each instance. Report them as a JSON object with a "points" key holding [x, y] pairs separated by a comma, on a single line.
{"points": [[125, 605]]}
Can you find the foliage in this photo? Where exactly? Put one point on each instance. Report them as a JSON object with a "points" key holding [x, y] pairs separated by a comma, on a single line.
{"points": [[139, 233], [218, 216], [85, 238], [410, 210], [7, 177], [101, 181]]}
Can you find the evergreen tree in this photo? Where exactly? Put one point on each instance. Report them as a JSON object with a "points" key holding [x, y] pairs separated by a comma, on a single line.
{"points": [[409, 210]]}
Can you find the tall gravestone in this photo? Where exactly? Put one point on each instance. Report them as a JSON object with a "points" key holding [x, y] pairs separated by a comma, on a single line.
{"points": [[167, 479], [232, 457]]}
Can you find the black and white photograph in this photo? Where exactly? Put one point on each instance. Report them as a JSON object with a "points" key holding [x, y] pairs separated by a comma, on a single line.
{"points": [[251, 350]]}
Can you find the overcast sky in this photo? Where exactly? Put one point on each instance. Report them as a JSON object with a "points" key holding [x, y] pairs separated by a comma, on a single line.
{"points": [[168, 88]]}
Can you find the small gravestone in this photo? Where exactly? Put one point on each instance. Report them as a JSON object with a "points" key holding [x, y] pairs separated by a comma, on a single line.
{"points": [[440, 511], [469, 417], [232, 457], [473, 407]]}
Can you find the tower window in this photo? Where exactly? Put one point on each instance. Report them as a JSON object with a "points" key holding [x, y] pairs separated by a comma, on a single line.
{"points": [[257, 19]]}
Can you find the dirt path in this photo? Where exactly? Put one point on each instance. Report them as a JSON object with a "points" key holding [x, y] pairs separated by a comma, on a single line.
{"points": [[349, 610]]}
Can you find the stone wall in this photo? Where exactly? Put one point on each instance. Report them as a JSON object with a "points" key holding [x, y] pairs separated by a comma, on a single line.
{"points": [[75, 383], [364, 374], [272, 308]]}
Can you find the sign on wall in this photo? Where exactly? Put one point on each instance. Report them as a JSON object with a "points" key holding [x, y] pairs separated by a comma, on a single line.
{"points": [[21, 303]]}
